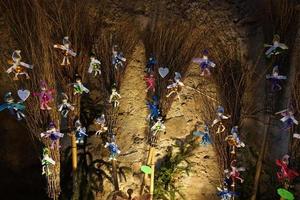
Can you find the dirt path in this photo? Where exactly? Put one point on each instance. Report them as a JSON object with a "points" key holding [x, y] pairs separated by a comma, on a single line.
{"points": [[132, 114], [181, 120]]}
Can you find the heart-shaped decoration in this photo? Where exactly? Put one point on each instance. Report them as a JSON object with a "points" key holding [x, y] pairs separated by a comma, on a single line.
{"points": [[23, 94], [163, 71]]}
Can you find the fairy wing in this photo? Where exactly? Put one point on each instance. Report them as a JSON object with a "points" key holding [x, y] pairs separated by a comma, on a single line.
{"points": [[122, 58], [270, 50], [269, 76], [281, 112], [198, 133], [294, 120], [198, 60], [85, 89], [26, 65], [19, 106], [4, 106], [280, 77], [211, 64], [59, 46], [9, 70], [241, 169], [282, 46], [49, 160], [59, 134], [171, 85], [71, 52]]}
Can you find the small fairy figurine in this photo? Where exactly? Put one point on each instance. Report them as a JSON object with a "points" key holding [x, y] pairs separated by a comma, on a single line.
{"points": [[95, 66], [175, 86], [47, 161], [204, 63], [14, 108], [235, 172], [234, 140], [65, 107], [114, 97], [79, 88], [275, 79], [80, 132], [285, 172], [53, 134], [220, 116], [113, 149], [205, 136], [154, 110], [45, 96], [287, 118], [117, 58], [150, 64], [100, 122], [225, 193], [276, 47], [66, 49], [150, 81], [18, 67], [158, 127]]}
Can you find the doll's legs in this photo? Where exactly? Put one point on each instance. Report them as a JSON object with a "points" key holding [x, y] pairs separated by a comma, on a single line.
{"points": [[26, 74], [68, 61], [64, 61], [168, 95], [47, 106], [16, 77]]}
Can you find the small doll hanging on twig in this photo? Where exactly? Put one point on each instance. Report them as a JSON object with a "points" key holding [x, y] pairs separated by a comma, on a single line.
{"points": [[117, 58], [95, 66], [234, 140], [65, 107], [275, 79], [114, 97], [79, 88], [66, 49], [288, 118], [204, 63], [80, 132], [113, 149], [205, 136], [176, 86], [154, 111], [235, 172], [53, 134], [225, 193], [158, 127], [285, 172], [150, 64], [100, 122], [150, 81], [45, 96], [18, 67], [275, 48], [16, 109], [47, 161], [220, 116]]}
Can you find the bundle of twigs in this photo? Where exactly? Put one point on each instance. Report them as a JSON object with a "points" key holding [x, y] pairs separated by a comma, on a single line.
{"points": [[22, 19], [173, 45]]}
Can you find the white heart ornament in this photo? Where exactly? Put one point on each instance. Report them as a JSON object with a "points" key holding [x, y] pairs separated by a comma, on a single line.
{"points": [[23, 94], [163, 71]]}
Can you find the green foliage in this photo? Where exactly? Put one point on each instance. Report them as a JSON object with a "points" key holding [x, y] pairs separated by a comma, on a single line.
{"points": [[172, 166]]}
